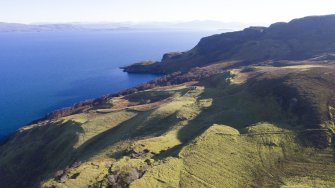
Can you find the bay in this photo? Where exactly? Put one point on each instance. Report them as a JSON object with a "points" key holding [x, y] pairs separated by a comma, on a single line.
{"points": [[44, 71]]}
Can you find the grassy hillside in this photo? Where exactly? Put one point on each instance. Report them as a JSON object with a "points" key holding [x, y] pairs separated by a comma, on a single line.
{"points": [[296, 40], [267, 125], [264, 155]]}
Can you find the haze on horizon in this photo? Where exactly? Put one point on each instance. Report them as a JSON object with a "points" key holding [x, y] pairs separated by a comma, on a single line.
{"points": [[244, 11]]}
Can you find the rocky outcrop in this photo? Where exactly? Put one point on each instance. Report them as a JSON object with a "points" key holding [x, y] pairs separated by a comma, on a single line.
{"points": [[171, 55], [143, 67]]}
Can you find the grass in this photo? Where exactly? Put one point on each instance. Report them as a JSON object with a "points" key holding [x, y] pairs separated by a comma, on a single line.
{"points": [[149, 96], [105, 135], [32, 152], [82, 176], [157, 144], [164, 174], [221, 132], [222, 156], [102, 123]]}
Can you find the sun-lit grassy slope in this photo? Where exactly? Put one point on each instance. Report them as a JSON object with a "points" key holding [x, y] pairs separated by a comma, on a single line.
{"points": [[153, 137], [256, 126], [263, 156]]}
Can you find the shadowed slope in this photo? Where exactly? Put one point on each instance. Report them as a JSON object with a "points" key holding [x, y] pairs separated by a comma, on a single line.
{"points": [[299, 39]]}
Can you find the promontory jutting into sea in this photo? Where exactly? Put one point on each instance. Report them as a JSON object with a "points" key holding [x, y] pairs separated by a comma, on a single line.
{"points": [[167, 94]]}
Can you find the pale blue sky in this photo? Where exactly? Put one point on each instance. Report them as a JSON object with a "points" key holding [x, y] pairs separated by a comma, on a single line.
{"points": [[247, 11]]}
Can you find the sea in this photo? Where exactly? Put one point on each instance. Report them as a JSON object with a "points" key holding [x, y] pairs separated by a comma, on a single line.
{"points": [[44, 71]]}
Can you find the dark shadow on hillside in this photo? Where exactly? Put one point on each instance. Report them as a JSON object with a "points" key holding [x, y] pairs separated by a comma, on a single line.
{"points": [[56, 142], [260, 99], [172, 152], [40, 145], [136, 127], [333, 146], [223, 111]]}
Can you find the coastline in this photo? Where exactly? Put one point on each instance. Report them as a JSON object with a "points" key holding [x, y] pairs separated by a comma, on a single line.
{"points": [[79, 107]]}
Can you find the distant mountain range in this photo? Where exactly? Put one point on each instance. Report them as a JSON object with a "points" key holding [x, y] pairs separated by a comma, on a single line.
{"points": [[110, 26], [16, 27]]}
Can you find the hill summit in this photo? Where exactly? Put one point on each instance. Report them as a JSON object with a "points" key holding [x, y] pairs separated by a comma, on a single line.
{"points": [[296, 40]]}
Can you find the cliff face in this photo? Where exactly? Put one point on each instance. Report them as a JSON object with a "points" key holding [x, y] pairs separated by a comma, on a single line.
{"points": [[253, 122], [299, 39]]}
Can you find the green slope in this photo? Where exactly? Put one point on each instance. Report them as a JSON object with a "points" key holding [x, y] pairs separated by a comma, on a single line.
{"points": [[208, 131], [263, 156]]}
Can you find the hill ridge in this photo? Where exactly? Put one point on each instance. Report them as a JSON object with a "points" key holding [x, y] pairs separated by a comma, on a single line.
{"points": [[298, 39]]}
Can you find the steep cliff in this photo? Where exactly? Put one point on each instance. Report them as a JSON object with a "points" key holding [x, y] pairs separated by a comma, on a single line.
{"points": [[299, 39]]}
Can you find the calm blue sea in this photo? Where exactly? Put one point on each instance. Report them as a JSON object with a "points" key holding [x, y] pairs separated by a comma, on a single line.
{"points": [[42, 72]]}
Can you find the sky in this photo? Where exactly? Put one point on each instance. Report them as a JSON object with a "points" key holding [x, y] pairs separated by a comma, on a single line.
{"points": [[244, 11]]}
